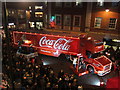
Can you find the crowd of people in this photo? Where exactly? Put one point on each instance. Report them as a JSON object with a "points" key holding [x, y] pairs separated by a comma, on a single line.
{"points": [[24, 73], [28, 74], [113, 55]]}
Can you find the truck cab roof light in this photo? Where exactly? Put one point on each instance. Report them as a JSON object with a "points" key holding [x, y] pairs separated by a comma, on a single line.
{"points": [[89, 38]]}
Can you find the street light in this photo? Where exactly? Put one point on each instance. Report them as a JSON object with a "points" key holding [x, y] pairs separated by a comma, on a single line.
{"points": [[107, 10]]}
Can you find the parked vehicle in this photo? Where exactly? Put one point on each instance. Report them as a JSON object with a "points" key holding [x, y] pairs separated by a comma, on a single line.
{"points": [[112, 50]]}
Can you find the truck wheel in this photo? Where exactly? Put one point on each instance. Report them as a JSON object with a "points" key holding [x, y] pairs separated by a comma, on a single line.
{"points": [[90, 69]]}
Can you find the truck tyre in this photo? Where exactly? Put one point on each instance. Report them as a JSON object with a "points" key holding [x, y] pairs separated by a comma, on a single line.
{"points": [[90, 69]]}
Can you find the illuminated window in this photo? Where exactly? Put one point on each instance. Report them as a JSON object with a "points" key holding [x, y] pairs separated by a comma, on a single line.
{"points": [[46, 2], [78, 3], [112, 23], [58, 4], [30, 7], [11, 12], [97, 23], [58, 19], [39, 25], [77, 20], [100, 2], [67, 4], [38, 7], [67, 20], [11, 25], [38, 14], [32, 24]]}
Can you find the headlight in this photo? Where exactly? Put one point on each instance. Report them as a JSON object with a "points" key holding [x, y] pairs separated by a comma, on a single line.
{"points": [[102, 83], [107, 53], [100, 71]]}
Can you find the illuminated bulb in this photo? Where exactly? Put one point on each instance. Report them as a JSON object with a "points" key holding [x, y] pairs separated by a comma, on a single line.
{"points": [[107, 10], [89, 38]]}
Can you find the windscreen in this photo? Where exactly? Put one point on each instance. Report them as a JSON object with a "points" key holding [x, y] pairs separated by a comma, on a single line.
{"points": [[98, 43], [95, 55]]}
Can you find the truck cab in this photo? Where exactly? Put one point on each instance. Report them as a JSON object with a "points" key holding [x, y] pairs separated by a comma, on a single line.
{"points": [[90, 46]]}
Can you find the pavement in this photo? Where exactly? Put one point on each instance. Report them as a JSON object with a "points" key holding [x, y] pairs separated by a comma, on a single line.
{"points": [[96, 35]]}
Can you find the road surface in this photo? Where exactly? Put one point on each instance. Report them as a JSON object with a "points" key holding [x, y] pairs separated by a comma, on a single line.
{"points": [[89, 79]]}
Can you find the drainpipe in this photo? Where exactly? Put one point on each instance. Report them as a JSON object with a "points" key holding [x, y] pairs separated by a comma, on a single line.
{"points": [[88, 16], [49, 14]]}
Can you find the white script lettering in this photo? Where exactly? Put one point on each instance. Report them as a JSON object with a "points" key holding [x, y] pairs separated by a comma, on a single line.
{"points": [[61, 43]]}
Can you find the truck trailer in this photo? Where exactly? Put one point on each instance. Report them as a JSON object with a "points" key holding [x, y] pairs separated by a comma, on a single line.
{"points": [[57, 45]]}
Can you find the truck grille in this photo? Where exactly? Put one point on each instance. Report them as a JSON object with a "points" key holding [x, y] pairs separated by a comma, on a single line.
{"points": [[107, 67]]}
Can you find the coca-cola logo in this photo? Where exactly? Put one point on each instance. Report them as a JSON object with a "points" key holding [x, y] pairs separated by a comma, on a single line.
{"points": [[61, 43]]}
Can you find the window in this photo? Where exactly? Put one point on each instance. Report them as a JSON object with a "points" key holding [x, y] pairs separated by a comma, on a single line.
{"points": [[39, 7], [67, 20], [67, 4], [97, 22], [115, 4], [30, 7], [32, 24], [46, 2], [78, 3], [100, 2], [11, 12], [77, 20], [38, 14], [58, 4], [112, 23], [58, 19], [39, 25]]}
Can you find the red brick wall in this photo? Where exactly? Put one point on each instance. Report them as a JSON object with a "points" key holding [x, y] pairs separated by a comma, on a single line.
{"points": [[100, 12]]}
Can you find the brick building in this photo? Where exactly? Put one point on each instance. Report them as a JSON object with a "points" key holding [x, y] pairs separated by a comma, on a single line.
{"points": [[72, 16], [106, 18], [24, 15], [84, 16]]}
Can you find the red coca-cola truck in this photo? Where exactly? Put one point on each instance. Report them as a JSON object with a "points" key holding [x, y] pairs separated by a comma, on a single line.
{"points": [[56, 45]]}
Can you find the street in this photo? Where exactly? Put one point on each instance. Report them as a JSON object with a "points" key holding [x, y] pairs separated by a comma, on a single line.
{"points": [[88, 79]]}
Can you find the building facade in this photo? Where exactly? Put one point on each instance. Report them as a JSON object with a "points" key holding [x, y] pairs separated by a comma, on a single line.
{"points": [[68, 16], [84, 16], [106, 18], [24, 15], [72, 16]]}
